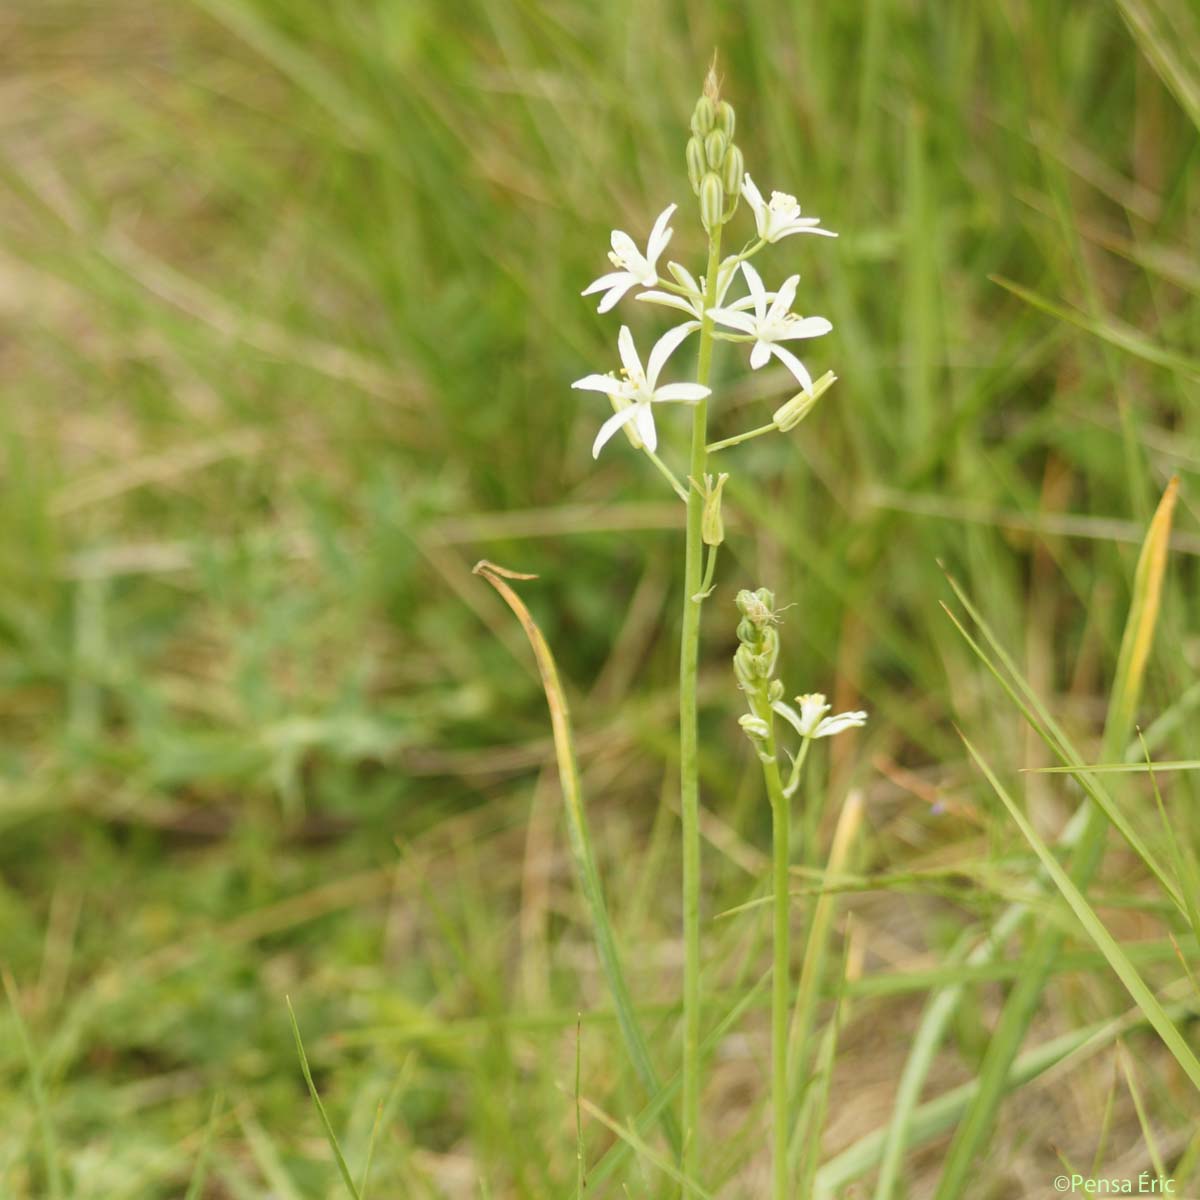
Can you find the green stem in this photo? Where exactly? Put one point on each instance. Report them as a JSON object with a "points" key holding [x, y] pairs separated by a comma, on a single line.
{"points": [[739, 438], [780, 971], [689, 779], [781, 990], [666, 473]]}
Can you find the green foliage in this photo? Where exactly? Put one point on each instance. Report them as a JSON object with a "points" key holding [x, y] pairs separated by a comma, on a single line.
{"points": [[290, 299]]}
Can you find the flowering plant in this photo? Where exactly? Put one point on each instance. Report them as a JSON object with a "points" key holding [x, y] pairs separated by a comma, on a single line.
{"points": [[764, 321]]}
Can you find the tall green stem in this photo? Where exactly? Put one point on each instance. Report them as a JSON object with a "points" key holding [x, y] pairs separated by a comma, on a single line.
{"points": [[781, 984], [689, 779]]}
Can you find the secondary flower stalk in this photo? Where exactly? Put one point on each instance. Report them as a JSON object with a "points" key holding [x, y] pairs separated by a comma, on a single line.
{"points": [[755, 665]]}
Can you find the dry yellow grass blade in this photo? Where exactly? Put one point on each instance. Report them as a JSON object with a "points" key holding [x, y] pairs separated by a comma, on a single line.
{"points": [[578, 834], [1139, 627]]}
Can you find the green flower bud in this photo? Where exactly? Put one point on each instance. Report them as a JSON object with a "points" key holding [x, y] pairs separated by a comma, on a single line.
{"points": [[755, 727], [743, 668], [726, 121], [712, 202], [696, 165], [712, 527], [757, 607], [715, 145], [704, 116], [732, 172], [789, 415]]}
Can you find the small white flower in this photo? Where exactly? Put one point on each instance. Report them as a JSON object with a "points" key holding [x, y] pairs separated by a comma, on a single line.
{"points": [[633, 267], [772, 323], [811, 721], [781, 216], [633, 395], [693, 302]]}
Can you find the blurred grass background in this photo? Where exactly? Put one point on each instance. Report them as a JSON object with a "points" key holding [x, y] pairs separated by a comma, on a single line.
{"points": [[290, 312]]}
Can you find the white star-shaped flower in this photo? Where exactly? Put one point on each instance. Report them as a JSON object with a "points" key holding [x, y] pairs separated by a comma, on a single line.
{"points": [[633, 395], [693, 302], [633, 267], [811, 721], [780, 217], [772, 323]]}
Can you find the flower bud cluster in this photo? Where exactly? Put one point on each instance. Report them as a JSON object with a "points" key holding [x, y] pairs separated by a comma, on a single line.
{"points": [[754, 665], [715, 164], [758, 652]]}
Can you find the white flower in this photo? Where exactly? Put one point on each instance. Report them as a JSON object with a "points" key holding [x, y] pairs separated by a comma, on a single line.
{"points": [[693, 302], [632, 396], [811, 721], [781, 217], [633, 267], [774, 324]]}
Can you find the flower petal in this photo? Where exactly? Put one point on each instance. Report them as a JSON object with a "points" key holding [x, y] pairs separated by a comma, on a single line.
{"points": [[605, 282], [734, 319], [629, 354], [760, 354], [615, 292], [666, 298], [783, 298], [684, 393], [664, 348], [611, 426], [805, 327], [600, 383], [645, 426], [624, 246], [753, 197], [684, 277], [793, 364], [791, 716], [755, 284], [660, 235], [725, 274], [802, 225], [847, 720]]}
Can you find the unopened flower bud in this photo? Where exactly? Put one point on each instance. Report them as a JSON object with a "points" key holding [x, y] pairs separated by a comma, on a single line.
{"points": [[755, 727], [726, 121], [712, 202], [704, 116], [715, 145], [696, 165], [744, 668], [732, 171], [758, 607], [712, 527], [789, 415]]}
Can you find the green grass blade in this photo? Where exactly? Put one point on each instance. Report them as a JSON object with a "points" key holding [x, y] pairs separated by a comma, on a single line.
{"points": [[1171, 52], [1111, 331], [1092, 822], [1123, 768], [633, 1140], [813, 969], [50, 1152], [932, 1029], [330, 1136], [200, 1171], [1141, 994], [580, 839], [935, 1116]]}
